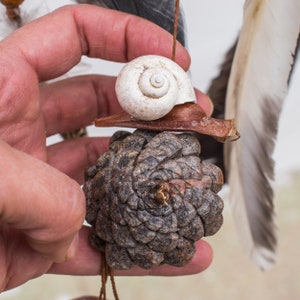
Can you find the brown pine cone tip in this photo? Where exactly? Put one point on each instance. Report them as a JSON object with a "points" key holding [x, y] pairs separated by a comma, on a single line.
{"points": [[150, 198]]}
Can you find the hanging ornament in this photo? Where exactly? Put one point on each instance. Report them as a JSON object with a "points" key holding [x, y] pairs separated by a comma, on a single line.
{"points": [[12, 8]]}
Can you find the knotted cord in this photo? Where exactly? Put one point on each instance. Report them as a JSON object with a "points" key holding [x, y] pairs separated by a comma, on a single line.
{"points": [[13, 10]]}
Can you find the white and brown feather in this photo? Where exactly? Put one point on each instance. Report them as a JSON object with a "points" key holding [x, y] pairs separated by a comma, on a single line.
{"points": [[257, 87]]}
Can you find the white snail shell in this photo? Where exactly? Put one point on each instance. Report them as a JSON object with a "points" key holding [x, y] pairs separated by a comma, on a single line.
{"points": [[149, 86]]}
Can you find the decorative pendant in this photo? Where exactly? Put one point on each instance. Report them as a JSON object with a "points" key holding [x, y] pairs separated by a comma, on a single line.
{"points": [[150, 197], [12, 8]]}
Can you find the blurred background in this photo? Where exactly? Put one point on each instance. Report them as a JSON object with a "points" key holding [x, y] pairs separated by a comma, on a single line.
{"points": [[212, 27]]}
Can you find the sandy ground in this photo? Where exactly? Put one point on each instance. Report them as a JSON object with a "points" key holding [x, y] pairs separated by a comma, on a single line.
{"points": [[231, 275]]}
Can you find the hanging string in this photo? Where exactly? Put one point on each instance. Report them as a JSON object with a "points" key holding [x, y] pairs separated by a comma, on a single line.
{"points": [[104, 276], [175, 30], [106, 272], [113, 284]]}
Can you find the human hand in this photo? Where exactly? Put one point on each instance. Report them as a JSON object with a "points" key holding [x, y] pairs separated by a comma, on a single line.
{"points": [[42, 207]]}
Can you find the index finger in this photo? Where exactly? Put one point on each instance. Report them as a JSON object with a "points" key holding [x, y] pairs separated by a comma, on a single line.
{"points": [[55, 43]]}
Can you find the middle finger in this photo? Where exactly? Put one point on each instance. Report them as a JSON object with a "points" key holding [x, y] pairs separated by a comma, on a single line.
{"points": [[75, 102]]}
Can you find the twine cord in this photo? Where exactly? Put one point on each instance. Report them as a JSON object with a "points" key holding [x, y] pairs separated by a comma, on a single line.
{"points": [[175, 30]]}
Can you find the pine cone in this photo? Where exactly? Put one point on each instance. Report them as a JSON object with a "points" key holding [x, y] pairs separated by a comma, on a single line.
{"points": [[150, 198]]}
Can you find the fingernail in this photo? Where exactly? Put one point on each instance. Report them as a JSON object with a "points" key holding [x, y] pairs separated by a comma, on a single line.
{"points": [[209, 106], [205, 102]]}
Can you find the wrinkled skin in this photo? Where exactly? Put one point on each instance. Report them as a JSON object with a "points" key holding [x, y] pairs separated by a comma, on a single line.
{"points": [[41, 204]]}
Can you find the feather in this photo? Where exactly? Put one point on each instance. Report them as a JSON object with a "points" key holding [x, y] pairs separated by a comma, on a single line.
{"points": [[213, 150], [257, 87], [158, 12]]}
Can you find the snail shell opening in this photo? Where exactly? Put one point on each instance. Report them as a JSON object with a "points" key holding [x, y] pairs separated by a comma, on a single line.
{"points": [[149, 87]]}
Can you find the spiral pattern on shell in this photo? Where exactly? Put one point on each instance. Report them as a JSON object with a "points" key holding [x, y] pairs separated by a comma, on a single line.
{"points": [[150, 198], [149, 86]]}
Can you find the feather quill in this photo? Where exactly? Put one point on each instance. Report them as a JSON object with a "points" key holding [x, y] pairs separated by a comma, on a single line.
{"points": [[257, 87]]}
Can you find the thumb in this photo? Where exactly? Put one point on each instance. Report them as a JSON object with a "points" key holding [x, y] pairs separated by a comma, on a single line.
{"points": [[43, 203]]}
